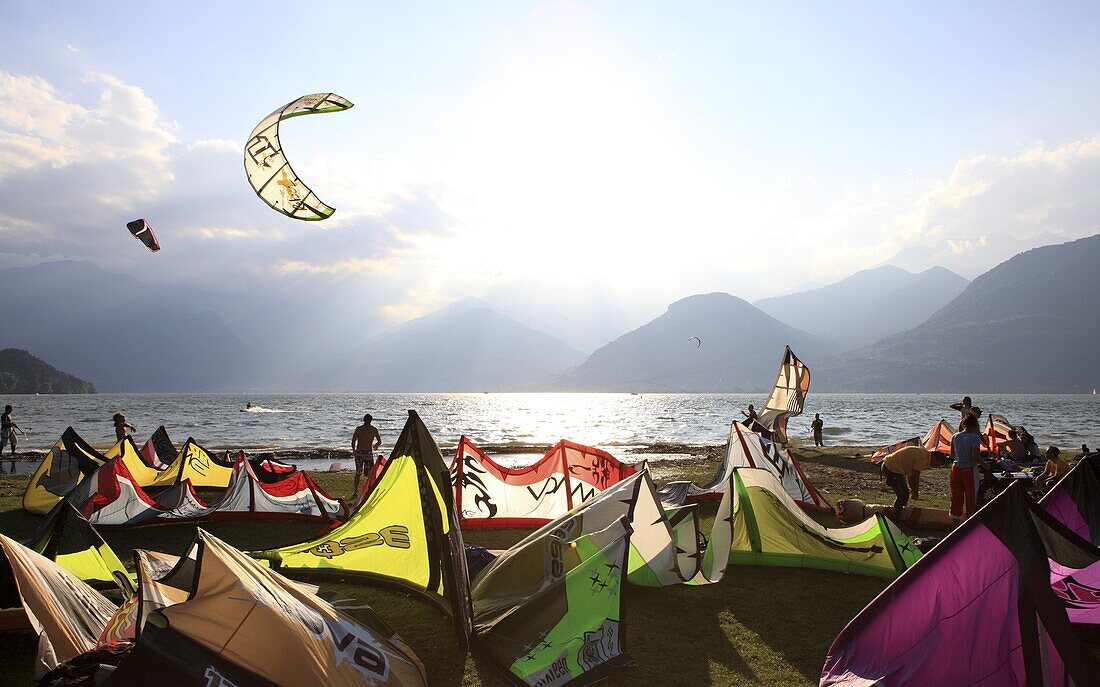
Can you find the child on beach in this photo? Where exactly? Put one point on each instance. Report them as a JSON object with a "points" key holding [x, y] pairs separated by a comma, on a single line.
{"points": [[122, 427]]}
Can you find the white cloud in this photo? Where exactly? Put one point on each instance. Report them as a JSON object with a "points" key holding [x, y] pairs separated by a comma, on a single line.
{"points": [[568, 197], [983, 212], [73, 173]]}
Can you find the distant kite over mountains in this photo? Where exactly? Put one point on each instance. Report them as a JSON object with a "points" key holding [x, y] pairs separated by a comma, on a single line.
{"points": [[269, 172], [144, 233]]}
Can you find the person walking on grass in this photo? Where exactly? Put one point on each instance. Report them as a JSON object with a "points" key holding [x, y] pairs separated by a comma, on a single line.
{"points": [[966, 461], [364, 442], [818, 426]]}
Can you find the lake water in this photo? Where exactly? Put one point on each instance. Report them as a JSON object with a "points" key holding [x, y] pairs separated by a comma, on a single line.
{"points": [[606, 420]]}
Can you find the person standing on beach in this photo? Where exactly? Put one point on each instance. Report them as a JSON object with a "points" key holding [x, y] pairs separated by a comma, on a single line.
{"points": [[818, 426], [750, 417], [966, 460], [364, 442], [122, 427], [967, 407]]}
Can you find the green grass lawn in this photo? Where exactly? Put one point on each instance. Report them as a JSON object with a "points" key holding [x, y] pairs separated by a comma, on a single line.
{"points": [[758, 626]]}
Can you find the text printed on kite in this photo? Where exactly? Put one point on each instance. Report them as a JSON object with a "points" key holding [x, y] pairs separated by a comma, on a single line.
{"points": [[269, 172]]}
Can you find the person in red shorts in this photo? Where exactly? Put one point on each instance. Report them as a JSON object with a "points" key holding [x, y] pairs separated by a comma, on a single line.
{"points": [[965, 463]]}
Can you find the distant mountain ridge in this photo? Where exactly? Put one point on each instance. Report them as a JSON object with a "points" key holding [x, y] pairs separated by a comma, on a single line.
{"points": [[23, 373], [466, 346], [118, 332], [1031, 324], [867, 306], [740, 351]]}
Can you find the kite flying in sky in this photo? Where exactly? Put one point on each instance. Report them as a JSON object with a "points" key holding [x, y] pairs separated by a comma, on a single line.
{"points": [[697, 340], [144, 233], [269, 172]]}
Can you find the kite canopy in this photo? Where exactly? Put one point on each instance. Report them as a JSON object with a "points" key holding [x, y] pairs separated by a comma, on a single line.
{"points": [[938, 438], [788, 397], [489, 495], [69, 540], [405, 532], [144, 233], [697, 340], [549, 610], [770, 529], [197, 465], [210, 617], [114, 497], [269, 172], [218, 617], [69, 461], [997, 428], [158, 451], [1075, 499], [749, 449], [66, 613], [1008, 598]]}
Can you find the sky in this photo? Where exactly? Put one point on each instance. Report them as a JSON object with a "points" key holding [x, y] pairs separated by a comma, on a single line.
{"points": [[578, 165]]}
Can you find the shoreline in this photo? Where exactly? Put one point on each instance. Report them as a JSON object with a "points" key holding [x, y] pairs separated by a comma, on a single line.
{"points": [[700, 451]]}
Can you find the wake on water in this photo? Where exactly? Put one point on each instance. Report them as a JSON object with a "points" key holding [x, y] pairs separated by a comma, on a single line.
{"points": [[261, 409]]}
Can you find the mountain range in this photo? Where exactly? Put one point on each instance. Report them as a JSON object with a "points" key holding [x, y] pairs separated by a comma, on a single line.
{"points": [[1031, 324], [739, 347], [869, 305], [1026, 325], [119, 333], [467, 346]]}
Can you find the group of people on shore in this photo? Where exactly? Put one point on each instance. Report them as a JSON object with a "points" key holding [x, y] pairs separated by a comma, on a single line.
{"points": [[971, 470]]}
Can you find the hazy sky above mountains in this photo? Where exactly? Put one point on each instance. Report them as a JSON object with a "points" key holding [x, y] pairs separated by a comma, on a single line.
{"points": [[580, 165]]}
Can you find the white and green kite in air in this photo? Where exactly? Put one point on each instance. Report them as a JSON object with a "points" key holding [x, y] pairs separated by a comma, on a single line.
{"points": [[269, 172]]}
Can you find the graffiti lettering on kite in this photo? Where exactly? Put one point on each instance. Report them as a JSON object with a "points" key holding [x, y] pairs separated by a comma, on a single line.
{"points": [[394, 536], [550, 486], [471, 478], [1076, 594]]}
